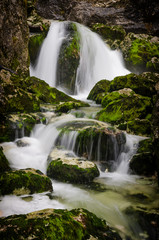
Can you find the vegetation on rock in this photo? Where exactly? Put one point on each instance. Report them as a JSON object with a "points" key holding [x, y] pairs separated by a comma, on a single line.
{"points": [[57, 224], [26, 181]]}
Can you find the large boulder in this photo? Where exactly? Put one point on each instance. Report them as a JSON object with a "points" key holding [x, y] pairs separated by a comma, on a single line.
{"points": [[27, 181], [71, 169], [56, 224]]}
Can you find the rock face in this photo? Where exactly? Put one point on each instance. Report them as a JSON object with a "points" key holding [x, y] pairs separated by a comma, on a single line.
{"points": [[26, 181], [56, 224], [14, 35], [135, 16]]}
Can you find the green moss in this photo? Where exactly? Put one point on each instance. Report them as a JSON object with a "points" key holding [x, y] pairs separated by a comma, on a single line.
{"points": [[139, 50], [143, 84], [124, 105], [65, 107], [35, 43], [24, 181], [71, 173], [56, 224], [109, 32]]}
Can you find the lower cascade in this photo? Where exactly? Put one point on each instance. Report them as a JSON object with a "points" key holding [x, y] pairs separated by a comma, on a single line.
{"points": [[96, 60]]}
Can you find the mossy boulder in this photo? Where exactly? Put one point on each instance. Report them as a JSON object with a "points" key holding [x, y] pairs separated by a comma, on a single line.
{"points": [[143, 162], [143, 84], [124, 105], [99, 90], [68, 60], [72, 169], [141, 52], [113, 35], [3, 162], [27, 181], [57, 224]]}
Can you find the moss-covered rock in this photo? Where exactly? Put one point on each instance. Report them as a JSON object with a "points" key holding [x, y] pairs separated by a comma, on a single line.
{"points": [[72, 169], [56, 224], [124, 105], [143, 84], [109, 33], [66, 107], [3, 162], [99, 90], [141, 52], [26, 181], [68, 60], [143, 162]]}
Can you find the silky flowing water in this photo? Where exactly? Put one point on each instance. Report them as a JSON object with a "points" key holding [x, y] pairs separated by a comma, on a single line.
{"points": [[112, 192]]}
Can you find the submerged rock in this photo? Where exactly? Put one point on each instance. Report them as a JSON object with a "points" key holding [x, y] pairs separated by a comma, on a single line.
{"points": [[57, 224], [27, 181], [71, 169], [66, 107]]}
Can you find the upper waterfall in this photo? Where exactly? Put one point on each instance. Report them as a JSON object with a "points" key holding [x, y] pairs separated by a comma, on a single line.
{"points": [[97, 61]]}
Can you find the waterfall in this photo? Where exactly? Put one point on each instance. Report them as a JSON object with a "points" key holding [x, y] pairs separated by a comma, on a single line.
{"points": [[97, 61]]}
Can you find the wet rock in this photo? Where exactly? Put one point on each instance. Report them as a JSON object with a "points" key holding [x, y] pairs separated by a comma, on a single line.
{"points": [[71, 169], [56, 224], [3, 162], [27, 181]]}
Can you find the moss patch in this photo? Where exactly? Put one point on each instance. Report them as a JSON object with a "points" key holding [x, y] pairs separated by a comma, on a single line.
{"points": [[24, 182], [56, 224]]}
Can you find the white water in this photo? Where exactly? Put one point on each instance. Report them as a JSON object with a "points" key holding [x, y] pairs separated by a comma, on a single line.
{"points": [[97, 61]]}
